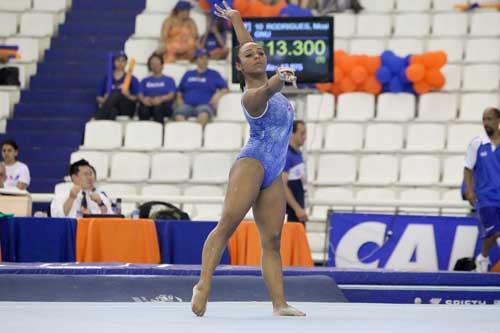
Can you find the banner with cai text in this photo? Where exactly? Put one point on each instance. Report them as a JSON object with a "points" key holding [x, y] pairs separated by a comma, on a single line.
{"points": [[421, 243]]}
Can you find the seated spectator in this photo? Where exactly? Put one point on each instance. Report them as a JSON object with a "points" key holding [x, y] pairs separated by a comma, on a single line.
{"points": [[9, 76], [292, 9], [330, 6], [179, 34], [112, 101], [199, 91], [157, 92], [18, 174], [214, 40], [82, 198]]}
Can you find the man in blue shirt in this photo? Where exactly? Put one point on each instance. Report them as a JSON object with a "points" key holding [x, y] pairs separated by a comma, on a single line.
{"points": [[482, 182], [294, 175], [199, 91]]}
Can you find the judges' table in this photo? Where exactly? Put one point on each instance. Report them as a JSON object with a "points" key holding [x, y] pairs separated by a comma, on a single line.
{"points": [[244, 245]]}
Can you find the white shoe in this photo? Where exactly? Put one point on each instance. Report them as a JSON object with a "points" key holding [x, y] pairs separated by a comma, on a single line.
{"points": [[482, 263]]}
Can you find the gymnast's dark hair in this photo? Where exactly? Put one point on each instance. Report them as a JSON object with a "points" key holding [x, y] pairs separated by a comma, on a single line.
{"points": [[497, 111], [152, 56], [236, 58], [74, 168]]}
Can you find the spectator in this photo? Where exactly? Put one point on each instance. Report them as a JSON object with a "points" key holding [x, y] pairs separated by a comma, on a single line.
{"points": [[482, 182], [179, 34], [199, 91], [214, 40], [292, 9], [9, 76], [294, 175], [157, 92], [82, 197], [112, 101], [330, 6], [3, 175], [18, 174]]}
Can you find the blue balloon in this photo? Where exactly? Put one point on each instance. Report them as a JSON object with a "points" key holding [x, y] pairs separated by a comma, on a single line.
{"points": [[395, 85], [408, 87], [383, 74], [407, 60], [402, 76], [396, 65], [386, 57]]}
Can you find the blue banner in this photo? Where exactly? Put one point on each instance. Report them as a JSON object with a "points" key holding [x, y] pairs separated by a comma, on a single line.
{"points": [[421, 243]]}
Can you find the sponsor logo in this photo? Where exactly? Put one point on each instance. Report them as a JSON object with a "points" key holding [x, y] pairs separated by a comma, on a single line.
{"points": [[157, 299], [464, 302], [483, 154], [435, 300], [418, 300]]}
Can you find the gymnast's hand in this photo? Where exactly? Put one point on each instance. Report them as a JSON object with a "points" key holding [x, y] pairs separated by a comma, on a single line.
{"points": [[287, 75], [226, 13]]}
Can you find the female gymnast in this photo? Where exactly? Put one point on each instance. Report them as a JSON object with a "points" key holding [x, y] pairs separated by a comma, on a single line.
{"points": [[255, 178]]}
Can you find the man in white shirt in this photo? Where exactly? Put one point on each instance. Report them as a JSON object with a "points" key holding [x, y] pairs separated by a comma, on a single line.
{"points": [[18, 174], [82, 197]]}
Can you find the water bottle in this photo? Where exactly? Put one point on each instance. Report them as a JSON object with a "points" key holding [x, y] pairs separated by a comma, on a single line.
{"points": [[118, 206]]}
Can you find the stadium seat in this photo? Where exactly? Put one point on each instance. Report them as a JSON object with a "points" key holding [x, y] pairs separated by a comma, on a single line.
{"points": [[319, 212], [481, 77], [148, 25], [377, 170], [220, 66], [63, 187], [4, 105], [482, 50], [395, 107], [373, 25], [453, 170], [453, 76], [141, 71], [420, 195], [160, 6], [412, 25], [336, 169], [413, 6], [310, 161], [143, 135], [319, 107], [115, 191], [473, 105], [445, 5], [29, 48], [375, 194], [341, 44], [175, 71], [200, 19], [37, 25], [208, 212], [449, 24], [373, 47], [223, 136], [419, 170], [378, 6], [383, 137], [140, 49], [485, 24], [161, 190], [425, 137], [50, 5], [211, 168], [318, 245], [460, 135], [15, 6], [182, 136], [355, 106], [129, 167], [99, 160], [454, 48], [8, 24], [345, 24], [170, 168], [343, 137], [454, 196], [315, 134], [405, 46], [437, 107], [102, 134], [230, 109]]}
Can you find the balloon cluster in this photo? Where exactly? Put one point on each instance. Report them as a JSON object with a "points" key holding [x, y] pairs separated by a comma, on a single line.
{"points": [[386, 73]]}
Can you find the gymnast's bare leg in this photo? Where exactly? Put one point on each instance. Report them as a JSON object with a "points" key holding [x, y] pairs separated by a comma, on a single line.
{"points": [[245, 179], [269, 213]]}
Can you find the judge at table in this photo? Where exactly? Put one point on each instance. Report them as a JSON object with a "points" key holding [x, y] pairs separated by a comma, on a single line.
{"points": [[82, 197]]}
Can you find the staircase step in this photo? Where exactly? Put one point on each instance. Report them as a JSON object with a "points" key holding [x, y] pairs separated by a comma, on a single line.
{"points": [[51, 95], [94, 42], [77, 55], [105, 15], [60, 138], [109, 5], [85, 82], [37, 124], [41, 170], [44, 185], [97, 68], [29, 155], [101, 28], [25, 110]]}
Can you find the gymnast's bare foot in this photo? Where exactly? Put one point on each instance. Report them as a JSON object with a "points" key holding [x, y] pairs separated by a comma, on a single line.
{"points": [[199, 300], [288, 310]]}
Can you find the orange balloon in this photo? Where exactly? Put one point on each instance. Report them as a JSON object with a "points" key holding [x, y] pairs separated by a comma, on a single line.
{"points": [[372, 64], [416, 59], [421, 87], [431, 60], [441, 58], [338, 74], [338, 55], [336, 90], [415, 72], [372, 86], [358, 74], [347, 63], [324, 87], [434, 78], [346, 85]]}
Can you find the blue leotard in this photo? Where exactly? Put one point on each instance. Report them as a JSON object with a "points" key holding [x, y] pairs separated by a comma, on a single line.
{"points": [[269, 136]]}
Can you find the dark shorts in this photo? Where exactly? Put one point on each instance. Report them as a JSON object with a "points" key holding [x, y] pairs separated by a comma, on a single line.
{"points": [[490, 218]]}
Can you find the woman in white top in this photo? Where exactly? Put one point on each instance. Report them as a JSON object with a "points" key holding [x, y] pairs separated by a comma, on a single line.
{"points": [[18, 174]]}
